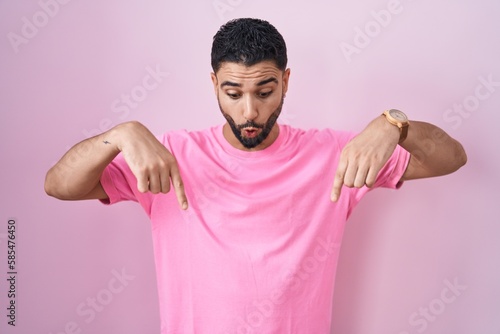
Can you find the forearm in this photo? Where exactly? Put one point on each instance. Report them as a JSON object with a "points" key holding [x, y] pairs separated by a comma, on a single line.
{"points": [[78, 172], [433, 151]]}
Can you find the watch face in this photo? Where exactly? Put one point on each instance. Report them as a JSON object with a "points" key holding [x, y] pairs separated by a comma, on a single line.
{"points": [[398, 115]]}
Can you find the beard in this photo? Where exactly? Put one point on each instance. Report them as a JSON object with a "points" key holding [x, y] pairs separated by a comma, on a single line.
{"points": [[266, 127]]}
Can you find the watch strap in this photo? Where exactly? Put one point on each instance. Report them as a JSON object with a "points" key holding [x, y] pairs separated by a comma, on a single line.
{"points": [[403, 127]]}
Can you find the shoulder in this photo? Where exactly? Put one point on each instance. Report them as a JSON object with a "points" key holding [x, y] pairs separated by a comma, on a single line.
{"points": [[188, 140], [183, 135], [318, 137]]}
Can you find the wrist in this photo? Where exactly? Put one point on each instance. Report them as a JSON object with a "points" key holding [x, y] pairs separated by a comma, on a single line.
{"points": [[390, 131], [399, 120], [116, 136]]}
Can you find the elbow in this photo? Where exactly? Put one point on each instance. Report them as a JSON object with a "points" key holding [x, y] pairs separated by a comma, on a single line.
{"points": [[460, 157], [50, 191], [51, 186], [47, 189], [58, 186]]}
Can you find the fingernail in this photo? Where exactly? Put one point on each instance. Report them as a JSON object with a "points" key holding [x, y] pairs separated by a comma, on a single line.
{"points": [[333, 198], [184, 205]]}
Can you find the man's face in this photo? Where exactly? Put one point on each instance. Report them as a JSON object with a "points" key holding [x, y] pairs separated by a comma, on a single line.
{"points": [[250, 98]]}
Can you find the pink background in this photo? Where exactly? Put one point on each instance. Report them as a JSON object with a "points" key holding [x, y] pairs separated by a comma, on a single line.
{"points": [[400, 248]]}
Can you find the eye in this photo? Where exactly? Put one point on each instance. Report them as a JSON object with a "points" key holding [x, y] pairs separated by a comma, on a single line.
{"points": [[233, 96], [265, 94]]}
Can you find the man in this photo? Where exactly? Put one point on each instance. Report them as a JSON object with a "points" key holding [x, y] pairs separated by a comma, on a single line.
{"points": [[248, 240]]}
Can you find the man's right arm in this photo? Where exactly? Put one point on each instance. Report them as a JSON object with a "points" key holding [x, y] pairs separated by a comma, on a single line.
{"points": [[76, 176]]}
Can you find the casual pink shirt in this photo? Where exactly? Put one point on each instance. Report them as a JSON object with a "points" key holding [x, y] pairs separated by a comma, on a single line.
{"points": [[257, 250]]}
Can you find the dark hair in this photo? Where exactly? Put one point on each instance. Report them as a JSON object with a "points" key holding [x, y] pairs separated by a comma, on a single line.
{"points": [[248, 41]]}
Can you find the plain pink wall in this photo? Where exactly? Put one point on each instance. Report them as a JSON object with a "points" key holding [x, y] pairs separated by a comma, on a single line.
{"points": [[64, 79]]}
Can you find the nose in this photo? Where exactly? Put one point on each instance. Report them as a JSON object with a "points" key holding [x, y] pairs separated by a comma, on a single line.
{"points": [[250, 111]]}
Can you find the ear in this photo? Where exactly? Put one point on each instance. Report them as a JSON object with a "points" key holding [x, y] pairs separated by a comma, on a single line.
{"points": [[215, 82], [286, 77]]}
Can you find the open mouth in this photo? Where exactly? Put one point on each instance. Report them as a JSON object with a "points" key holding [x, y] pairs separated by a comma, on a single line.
{"points": [[250, 132]]}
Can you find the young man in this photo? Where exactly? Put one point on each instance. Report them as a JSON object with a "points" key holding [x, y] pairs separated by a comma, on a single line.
{"points": [[248, 240]]}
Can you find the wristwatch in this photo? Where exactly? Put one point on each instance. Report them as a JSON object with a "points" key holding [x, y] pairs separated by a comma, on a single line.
{"points": [[399, 119]]}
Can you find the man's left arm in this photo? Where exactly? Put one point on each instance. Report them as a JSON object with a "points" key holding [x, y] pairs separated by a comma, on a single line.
{"points": [[433, 153]]}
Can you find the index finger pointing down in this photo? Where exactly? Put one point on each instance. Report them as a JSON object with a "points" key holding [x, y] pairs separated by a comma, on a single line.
{"points": [[178, 187], [338, 182]]}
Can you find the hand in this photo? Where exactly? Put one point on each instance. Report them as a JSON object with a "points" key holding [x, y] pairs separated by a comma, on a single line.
{"points": [[365, 155], [151, 163]]}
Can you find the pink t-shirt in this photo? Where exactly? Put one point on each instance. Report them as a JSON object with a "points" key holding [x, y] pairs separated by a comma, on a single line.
{"points": [[256, 252]]}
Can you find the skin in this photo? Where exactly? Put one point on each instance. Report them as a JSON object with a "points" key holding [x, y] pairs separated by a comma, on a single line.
{"points": [[250, 94], [433, 153], [247, 95]]}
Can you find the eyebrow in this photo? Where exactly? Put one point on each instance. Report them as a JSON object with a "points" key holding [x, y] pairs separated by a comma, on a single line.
{"points": [[260, 83]]}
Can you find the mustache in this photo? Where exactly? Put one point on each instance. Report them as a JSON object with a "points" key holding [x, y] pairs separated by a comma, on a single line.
{"points": [[250, 124]]}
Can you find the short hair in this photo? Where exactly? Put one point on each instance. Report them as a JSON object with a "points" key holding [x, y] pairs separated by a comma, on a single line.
{"points": [[248, 41]]}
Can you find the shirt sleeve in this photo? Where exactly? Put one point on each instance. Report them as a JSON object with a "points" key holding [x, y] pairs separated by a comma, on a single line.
{"points": [[390, 175], [117, 181], [120, 184]]}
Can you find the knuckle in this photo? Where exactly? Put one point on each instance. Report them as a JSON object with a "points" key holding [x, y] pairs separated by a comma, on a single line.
{"points": [[370, 183], [358, 184], [142, 170], [170, 158], [165, 185], [348, 183], [162, 164], [339, 175]]}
